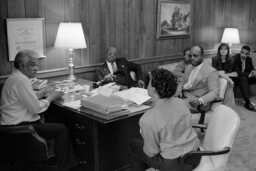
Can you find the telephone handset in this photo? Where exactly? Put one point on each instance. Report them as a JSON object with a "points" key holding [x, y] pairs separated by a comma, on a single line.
{"points": [[38, 84]]}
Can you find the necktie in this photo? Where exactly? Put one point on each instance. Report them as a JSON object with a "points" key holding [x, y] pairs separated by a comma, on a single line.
{"points": [[113, 67], [191, 79], [243, 65]]}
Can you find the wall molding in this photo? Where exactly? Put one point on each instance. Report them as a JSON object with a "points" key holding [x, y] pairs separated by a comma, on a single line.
{"points": [[91, 68]]}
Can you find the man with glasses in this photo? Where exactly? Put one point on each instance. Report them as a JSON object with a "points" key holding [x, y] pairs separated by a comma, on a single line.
{"points": [[200, 84], [246, 74]]}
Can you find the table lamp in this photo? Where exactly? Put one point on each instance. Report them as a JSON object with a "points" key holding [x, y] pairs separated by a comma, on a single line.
{"points": [[230, 35], [70, 36]]}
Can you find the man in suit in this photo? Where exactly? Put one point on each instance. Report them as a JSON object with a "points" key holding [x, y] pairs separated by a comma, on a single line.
{"points": [[200, 84], [118, 70], [246, 74]]}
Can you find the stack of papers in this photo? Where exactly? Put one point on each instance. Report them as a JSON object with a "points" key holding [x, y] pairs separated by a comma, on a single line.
{"points": [[134, 94], [104, 104]]}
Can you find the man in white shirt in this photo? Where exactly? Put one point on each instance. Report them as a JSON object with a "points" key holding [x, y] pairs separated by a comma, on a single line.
{"points": [[20, 106]]}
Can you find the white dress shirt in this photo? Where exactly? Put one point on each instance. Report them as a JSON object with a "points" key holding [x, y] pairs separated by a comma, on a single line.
{"points": [[192, 77], [110, 67], [166, 129], [19, 102]]}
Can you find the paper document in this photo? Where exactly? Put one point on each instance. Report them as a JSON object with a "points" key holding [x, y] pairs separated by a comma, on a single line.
{"points": [[232, 74], [73, 104], [136, 108], [106, 90], [134, 94], [104, 104]]}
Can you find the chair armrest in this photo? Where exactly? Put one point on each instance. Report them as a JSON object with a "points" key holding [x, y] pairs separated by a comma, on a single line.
{"points": [[203, 126], [205, 153], [13, 129], [24, 144]]}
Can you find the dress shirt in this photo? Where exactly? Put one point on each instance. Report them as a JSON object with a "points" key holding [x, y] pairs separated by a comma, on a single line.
{"points": [[243, 64], [192, 77], [166, 129], [111, 69], [19, 102]]}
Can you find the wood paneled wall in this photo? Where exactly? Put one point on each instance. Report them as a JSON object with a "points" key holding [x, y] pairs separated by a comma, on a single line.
{"points": [[129, 25]]}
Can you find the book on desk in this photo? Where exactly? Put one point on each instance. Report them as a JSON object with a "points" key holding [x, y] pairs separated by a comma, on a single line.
{"points": [[105, 105], [110, 107]]}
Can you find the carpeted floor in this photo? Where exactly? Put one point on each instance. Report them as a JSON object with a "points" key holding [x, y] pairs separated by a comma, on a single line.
{"points": [[243, 153]]}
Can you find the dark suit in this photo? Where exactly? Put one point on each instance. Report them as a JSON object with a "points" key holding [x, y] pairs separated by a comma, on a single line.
{"points": [[122, 74], [243, 81]]}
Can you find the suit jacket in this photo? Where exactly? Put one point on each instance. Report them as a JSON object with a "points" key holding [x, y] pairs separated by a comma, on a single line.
{"points": [[123, 76], [237, 66], [219, 66], [206, 83]]}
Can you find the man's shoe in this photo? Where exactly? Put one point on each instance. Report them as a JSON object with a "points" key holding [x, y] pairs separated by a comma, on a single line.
{"points": [[250, 107]]}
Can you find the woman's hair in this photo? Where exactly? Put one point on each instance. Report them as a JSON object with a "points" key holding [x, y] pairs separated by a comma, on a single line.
{"points": [[221, 46], [164, 82]]}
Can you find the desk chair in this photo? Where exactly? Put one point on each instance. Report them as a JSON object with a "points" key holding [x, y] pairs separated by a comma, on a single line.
{"points": [[203, 115], [21, 145], [218, 140]]}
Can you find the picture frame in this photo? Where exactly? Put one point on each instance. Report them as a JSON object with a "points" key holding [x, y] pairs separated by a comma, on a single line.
{"points": [[173, 19], [25, 33]]}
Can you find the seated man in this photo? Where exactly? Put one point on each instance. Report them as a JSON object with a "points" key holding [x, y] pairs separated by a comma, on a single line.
{"points": [[118, 70], [21, 106], [200, 84], [246, 74]]}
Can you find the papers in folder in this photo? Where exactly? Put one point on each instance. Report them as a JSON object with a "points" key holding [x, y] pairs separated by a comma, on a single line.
{"points": [[134, 94], [103, 104]]}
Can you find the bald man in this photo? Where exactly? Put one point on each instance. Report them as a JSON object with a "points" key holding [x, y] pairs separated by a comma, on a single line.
{"points": [[200, 84], [21, 106], [118, 70]]}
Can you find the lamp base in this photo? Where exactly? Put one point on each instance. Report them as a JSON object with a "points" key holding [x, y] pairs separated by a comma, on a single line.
{"points": [[71, 77], [71, 66]]}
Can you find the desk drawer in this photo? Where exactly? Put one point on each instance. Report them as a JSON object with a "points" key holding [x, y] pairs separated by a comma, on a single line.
{"points": [[81, 129]]}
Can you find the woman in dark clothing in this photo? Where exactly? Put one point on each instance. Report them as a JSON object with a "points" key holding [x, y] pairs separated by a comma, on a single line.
{"points": [[224, 65]]}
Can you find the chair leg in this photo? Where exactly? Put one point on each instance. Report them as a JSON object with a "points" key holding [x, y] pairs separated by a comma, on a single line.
{"points": [[201, 120]]}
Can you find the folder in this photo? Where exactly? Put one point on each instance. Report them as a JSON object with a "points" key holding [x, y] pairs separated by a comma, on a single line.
{"points": [[104, 104]]}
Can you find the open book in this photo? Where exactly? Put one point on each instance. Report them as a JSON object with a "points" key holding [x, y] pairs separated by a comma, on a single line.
{"points": [[134, 94]]}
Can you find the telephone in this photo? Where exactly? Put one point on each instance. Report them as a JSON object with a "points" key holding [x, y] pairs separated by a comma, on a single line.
{"points": [[38, 84]]}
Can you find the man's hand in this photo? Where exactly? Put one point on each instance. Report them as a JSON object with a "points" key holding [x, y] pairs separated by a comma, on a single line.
{"points": [[178, 92], [109, 77], [253, 73], [194, 101], [52, 95], [141, 83]]}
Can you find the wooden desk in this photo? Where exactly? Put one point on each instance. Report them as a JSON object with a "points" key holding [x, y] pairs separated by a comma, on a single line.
{"points": [[101, 145]]}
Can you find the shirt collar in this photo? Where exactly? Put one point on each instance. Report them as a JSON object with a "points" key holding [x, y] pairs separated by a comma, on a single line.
{"points": [[199, 66], [18, 72]]}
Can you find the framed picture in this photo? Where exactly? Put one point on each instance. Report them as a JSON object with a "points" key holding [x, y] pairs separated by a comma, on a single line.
{"points": [[173, 18], [25, 33]]}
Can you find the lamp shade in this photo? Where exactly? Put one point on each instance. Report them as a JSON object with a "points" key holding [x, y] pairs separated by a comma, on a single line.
{"points": [[70, 36], [230, 35]]}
